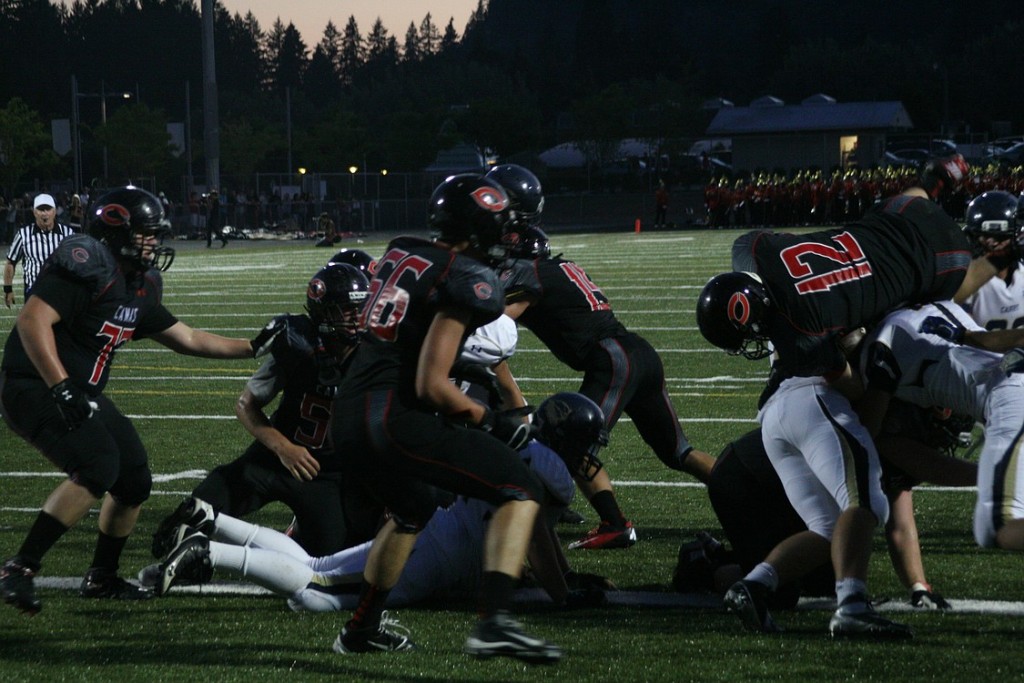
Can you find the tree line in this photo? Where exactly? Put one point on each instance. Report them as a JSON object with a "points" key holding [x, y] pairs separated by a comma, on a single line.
{"points": [[521, 76]]}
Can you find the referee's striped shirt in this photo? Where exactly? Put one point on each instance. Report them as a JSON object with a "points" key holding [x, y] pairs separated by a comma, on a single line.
{"points": [[32, 246]]}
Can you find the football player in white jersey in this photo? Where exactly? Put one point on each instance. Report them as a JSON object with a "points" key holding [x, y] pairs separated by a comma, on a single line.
{"points": [[830, 470], [448, 555], [993, 218], [909, 356]]}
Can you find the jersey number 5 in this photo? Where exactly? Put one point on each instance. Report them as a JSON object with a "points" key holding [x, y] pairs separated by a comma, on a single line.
{"points": [[835, 265]]}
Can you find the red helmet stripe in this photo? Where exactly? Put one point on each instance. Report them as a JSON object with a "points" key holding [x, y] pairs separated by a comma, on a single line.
{"points": [[739, 309]]}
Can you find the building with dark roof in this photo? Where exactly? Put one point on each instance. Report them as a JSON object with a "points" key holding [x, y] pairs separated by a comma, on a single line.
{"points": [[818, 132]]}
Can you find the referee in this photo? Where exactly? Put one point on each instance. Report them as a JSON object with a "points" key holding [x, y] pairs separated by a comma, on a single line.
{"points": [[32, 244]]}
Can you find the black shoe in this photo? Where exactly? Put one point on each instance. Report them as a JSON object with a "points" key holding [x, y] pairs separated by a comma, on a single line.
{"points": [[192, 512], [189, 561], [748, 601], [390, 636], [501, 635], [694, 572], [105, 584], [16, 585], [570, 516], [856, 618]]}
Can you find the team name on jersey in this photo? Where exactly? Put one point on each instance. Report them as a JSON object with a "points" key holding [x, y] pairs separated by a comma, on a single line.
{"points": [[127, 314]]}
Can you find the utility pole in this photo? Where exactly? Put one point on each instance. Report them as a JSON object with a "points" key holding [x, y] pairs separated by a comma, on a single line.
{"points": [[211, 121]]}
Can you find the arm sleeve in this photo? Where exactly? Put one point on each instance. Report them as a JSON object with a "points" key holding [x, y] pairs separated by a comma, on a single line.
{"points": [[267, 382]]}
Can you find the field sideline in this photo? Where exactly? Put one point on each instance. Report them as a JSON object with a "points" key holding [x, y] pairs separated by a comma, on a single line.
{"points": [[183, 408]]}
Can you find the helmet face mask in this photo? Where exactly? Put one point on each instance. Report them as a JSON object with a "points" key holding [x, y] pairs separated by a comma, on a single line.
{"points": [[525, 194], [471, 208], [129, 221], [527, 243], [992, 218], [573, 426], [334, 301], [731, 313]]}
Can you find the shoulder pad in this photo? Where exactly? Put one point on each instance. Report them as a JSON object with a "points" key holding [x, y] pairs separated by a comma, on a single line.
{"points": [[84, 258], [472, 285], [298, 341]]}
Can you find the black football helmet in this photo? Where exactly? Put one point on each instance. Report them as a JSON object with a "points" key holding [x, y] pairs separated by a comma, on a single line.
{"points": [[121, 218], [996, 215], [358, 258], [334, 300], [732, 312], [573, 426], [470, 207], [524, 193], [527, 243]]}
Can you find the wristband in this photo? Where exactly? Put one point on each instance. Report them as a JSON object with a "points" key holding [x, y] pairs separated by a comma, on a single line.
{"points": [[8, 289]]}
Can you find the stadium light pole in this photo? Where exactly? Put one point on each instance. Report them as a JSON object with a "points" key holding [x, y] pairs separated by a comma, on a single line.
{"points": [[76, 137]]}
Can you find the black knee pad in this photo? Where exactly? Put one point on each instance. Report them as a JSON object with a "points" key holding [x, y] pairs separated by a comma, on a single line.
{"points": [[97, 475], [133, 486]]}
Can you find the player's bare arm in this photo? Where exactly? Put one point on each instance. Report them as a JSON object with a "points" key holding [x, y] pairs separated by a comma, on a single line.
{"points": [[189, 341], [294, 458]]}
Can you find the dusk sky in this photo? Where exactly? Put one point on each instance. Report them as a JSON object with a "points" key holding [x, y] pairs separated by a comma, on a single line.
{"points": [[311, 16]]}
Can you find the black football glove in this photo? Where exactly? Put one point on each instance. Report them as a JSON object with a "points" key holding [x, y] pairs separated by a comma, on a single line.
{"points": [[507, 426], [924, 596], [941, 327], [264, 341], [74, 405]]}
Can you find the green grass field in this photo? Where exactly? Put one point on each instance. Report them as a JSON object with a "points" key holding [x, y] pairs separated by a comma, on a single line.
{"points": [[184, 410]]}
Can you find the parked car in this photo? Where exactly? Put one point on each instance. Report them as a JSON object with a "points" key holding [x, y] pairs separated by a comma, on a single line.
{"points": [[906, 157], [1011, 156]]}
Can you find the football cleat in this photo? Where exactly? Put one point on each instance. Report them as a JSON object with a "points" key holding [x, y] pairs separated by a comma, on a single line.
{"points": [[694, 572], [390, 636], [149, 575], [501, 635], [856, 618], [104, 584], [570, 516], [189, 561], [192, 512], [749, 601], [605, 537], [17, 588]]}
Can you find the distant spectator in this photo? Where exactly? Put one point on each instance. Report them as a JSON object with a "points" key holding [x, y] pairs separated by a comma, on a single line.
{"points": [[75, 213], [660, 204], [214, 220]]}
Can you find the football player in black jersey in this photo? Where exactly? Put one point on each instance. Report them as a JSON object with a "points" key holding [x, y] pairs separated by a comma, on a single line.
{"points": [[556, 300], [803, 292], [292, 458], [95, 293], [402, 427]]}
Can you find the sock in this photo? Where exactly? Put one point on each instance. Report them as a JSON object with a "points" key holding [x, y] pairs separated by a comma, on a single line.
{"points": [[764, 574], [239, 532], [851, 589], [45, 532], [275, 571], [495, 593], [607, 507], [371, 604], [108, 551]]}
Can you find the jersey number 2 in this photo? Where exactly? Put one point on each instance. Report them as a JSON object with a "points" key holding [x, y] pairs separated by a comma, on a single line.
{"points": [[835, 265]]}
